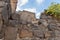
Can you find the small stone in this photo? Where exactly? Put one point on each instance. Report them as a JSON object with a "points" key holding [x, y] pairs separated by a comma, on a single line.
{"points": [[10, 33], [52, 27], [14, 23], [57, 33], [16, 16], [44, 22], [47, 34], [39, 34], [51, 38], [57, 38], [25, 33]]}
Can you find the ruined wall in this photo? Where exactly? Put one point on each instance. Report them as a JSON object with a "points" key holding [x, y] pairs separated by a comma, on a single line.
{"points": [[46, 28], [51, 26], [24, 25], [8, 29]]}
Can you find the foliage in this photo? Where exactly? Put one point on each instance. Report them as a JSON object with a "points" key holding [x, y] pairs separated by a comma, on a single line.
{"points": [[54, 10]]}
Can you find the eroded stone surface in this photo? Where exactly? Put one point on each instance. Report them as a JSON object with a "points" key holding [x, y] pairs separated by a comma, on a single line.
{"points": [[25, 24]]}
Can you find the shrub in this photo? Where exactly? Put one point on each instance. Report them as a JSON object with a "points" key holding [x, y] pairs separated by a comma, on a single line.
{"points": [[54, 10]]}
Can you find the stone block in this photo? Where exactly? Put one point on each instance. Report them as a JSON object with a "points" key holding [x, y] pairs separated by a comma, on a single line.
{"points": [[25, 33], [51, 38], [39, 34], [13, 5], [2, 3], [10, 33], [44, 22], [14, 23], [2, 31], [32, 27], [47, 34], [57, 33], [52, 27], [57, 38], [5, 14]]}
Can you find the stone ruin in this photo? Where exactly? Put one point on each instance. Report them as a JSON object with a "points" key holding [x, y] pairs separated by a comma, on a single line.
{"points": [[24, 26]]}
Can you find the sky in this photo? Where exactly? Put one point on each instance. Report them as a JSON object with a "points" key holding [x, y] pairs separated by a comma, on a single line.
{"points": [[35, 6]]}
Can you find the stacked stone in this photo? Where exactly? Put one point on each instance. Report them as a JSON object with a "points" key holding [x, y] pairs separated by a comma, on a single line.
{"points": [[25, 32], [25, 24], [8, 21], [52, 25], [12, 28]]}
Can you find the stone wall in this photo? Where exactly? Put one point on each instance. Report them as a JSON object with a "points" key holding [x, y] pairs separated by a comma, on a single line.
{"points": [[46, 28], [24, 26], [52, 27]]}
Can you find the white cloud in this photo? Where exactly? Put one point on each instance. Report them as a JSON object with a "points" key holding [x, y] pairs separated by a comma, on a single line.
{"points": [[38, 15], [34, 11], [31, 9], [22, 2], [40, 1]]}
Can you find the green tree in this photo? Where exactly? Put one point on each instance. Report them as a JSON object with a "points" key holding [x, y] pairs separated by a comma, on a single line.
{"points": [[54, 9]]}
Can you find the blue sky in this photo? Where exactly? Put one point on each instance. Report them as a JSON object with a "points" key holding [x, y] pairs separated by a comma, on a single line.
{"points": [[36, 6]]}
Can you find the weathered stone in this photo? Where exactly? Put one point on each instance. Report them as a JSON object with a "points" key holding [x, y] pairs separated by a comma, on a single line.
{"points": [[34, 27], [13, 5], [1, 10], [47, 34], [2, 31], [36, 38], [57, 33], [14, 23], [58, 24], [44, 22], [52, 27], [16, 16], [57, 38], [25, 33], [5, 14], [10, 33], [1, 22], [38, 33], [1, 25], [51, 38], [2, 3], [26, 16]]}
